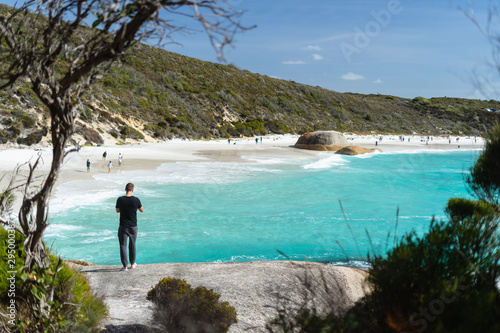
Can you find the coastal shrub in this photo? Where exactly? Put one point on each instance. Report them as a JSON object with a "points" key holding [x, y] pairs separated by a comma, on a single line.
{"points": [[484, 177], [441, 282], [182, 309], [14, 130], [68, 303], [5, 136], [421, 100], [250, 128], [33, 137], [27, 121], [86, 113], [305, 321], [278, 127]]}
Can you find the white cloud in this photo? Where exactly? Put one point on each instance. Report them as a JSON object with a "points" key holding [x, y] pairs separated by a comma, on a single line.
{"points": [[378, 81], [317, 57], [352, 77], [294, 62], [312, 48]]}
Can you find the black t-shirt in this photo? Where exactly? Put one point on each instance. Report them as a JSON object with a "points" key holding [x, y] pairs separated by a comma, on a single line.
{"points": [[128, 210]]}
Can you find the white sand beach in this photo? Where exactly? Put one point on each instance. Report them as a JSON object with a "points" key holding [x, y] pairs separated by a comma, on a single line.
{"points": [[148, 156]]}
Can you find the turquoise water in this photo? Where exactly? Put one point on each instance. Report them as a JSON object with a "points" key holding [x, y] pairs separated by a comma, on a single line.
{"points": [[266, 209]]}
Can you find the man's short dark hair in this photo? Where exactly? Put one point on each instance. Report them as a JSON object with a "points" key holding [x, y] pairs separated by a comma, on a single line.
{"points": [[129, 187]]}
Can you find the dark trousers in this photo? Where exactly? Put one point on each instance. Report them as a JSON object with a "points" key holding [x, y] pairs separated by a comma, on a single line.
{"points": [[131, 234]]}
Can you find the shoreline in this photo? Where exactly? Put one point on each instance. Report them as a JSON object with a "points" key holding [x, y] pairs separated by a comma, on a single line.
{"points": [[147, 156]]}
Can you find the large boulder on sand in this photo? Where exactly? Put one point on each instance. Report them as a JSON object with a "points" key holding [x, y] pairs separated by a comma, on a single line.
{"points": [[322, 140], [355, 150]]}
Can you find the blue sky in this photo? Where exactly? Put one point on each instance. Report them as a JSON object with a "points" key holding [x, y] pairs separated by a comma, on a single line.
{"points": [[404, 48]]}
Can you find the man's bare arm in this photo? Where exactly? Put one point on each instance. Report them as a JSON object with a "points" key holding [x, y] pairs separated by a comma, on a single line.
{"points": [[117, 210], [141, 209]]}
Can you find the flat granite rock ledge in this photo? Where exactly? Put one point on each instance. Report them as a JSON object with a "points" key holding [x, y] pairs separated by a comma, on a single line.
{"points": [[253, 288]]}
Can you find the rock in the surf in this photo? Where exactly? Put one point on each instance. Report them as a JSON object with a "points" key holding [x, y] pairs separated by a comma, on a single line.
{"points": [[355, 150], [322, 140]]}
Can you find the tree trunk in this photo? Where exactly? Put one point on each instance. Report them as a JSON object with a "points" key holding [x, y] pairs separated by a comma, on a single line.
{"points": [[61, 130]]}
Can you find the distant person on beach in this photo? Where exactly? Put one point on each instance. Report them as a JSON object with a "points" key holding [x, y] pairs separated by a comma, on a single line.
{"points": [[104, 156], [228, 141], [88, 165], [256, 140], [120, 159], [127, 206], [110, 165]]}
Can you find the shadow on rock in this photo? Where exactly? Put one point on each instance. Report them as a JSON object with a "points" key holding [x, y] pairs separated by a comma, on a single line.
{"points": [[134, 328]]}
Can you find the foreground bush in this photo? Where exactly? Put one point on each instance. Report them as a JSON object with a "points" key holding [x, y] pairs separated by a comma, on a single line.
{"points": [[56, 299], [181, 308], [444, 281]]}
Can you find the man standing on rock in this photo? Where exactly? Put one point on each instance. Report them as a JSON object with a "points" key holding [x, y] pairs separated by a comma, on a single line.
{"points": [[127, 206]]}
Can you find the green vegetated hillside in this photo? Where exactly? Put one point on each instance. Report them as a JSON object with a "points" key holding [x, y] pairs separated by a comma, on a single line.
{"points": [[153, 94]]}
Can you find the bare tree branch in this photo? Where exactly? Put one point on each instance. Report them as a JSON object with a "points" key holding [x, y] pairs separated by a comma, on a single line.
{"points": [[487, 85]]}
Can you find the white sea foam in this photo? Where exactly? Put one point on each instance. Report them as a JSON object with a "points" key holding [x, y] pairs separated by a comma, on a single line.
{"points": [[204, 172], [327, 162], [97, 239], [246, 258], [61, 230], [98, 234], [62, 227], [423, 151], [267, 160], [353, 264], [89, 194]]}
